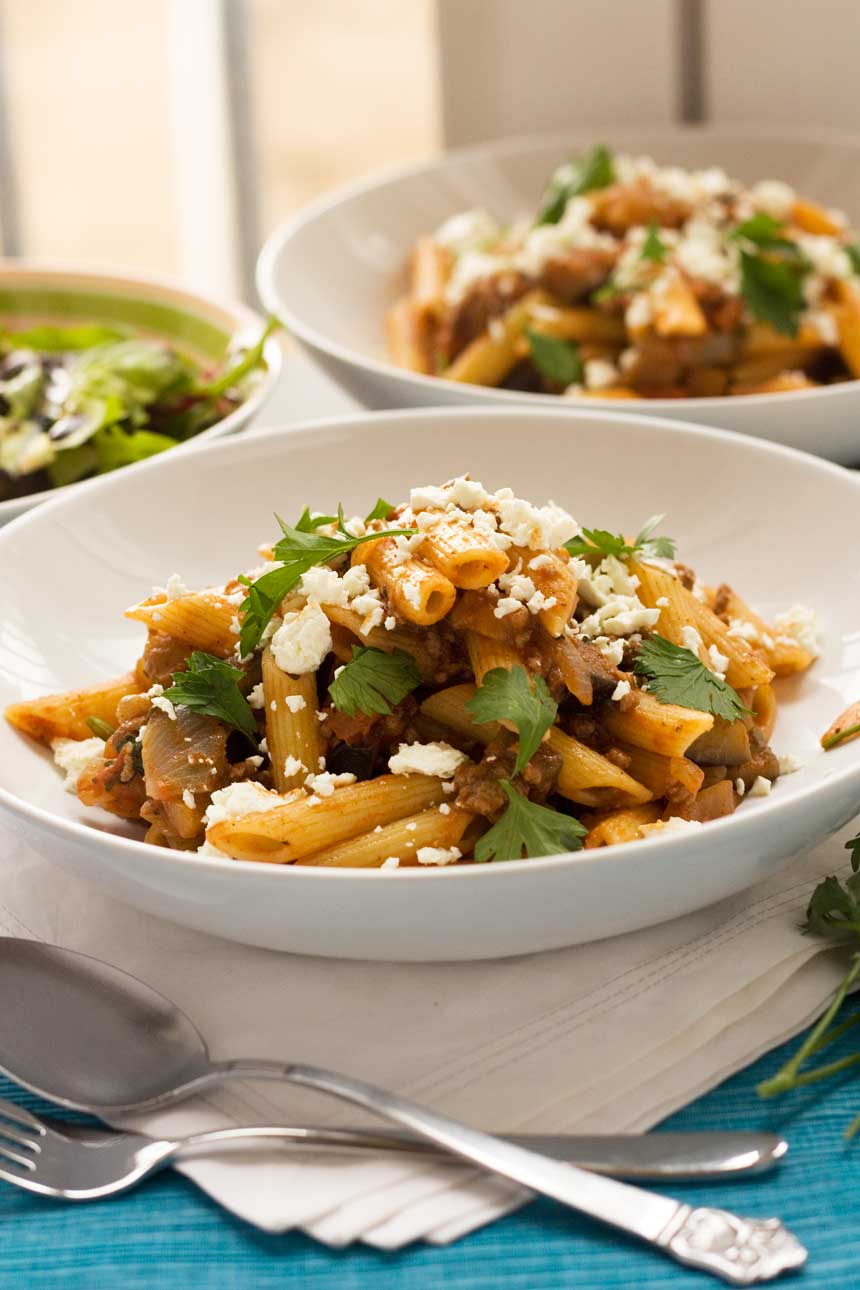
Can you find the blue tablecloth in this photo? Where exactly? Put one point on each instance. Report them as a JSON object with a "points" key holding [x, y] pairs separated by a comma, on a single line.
{"points": [[168, 1236]]}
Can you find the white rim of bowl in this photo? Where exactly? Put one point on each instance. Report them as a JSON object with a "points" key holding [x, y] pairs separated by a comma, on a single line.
{"points": [[605, 855], [308, 335], [235, 314]]}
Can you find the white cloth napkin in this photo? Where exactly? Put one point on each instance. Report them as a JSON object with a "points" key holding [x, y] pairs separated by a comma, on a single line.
{"points": [[607, 1037]]}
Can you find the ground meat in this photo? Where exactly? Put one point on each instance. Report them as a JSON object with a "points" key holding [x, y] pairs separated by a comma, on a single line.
{"points": [[724, 313], [162, 656], [723, 598], [479, 789], [486, 299], [686, 576], [574, 276]]}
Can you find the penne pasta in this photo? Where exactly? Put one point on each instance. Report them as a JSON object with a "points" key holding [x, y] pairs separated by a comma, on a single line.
{"points": [[486, 654], [783, 654], [429, 269], [292, 727], [463, 555], [610, 828], [205, 620], [401, 840], [662, 728], [415, 590], [66, 716]]}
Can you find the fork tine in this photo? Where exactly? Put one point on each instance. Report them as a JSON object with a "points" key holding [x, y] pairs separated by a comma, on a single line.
{"points": [[26, 1162], [20, 1139], [17, 1115]]}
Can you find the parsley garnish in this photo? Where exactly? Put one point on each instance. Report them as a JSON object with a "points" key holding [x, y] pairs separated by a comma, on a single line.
{"points": [[512, 695], [381, 511], [772, 291], [595, 170], [852, 250], [674, 675], [558, 359], [600, 543], [530, 829], [652, 247], [833, 912], [210, 686], [609, 291], [307, 523], [373, 681], [765, 231], [300, 549]]}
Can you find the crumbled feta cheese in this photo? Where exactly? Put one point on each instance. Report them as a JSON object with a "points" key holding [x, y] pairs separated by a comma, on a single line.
{"points": [[674, 824], [543, 561], [600, 374], [175, 588], [188, 798], [773, 197], [438, 855], [444, 809], [761, 787], [165, 705], [662, 602], [356, 580], [369, 605], [73, 756], [325, 782], [323, 585], [719, 663], [827, 255], [788, 764], [467, 231], [740, 787], [295, 702], [507, 605], [799, 626], [293, 766], [426, 759], [540, 528], [390, 623], [302, 641], [621, 689], [824, 324], [391, 862], [273, 705], [691, 639], [255, 697], [411, 826], [637, 316], [244, 798]]}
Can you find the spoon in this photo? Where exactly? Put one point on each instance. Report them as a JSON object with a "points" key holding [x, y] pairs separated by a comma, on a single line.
{"points": [[89, 1036]]}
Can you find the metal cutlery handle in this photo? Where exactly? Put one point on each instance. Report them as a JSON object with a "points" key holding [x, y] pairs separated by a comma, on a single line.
{"points": [[739, 1250]]}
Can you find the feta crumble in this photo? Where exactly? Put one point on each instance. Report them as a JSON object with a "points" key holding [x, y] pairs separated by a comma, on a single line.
{"points": [[426, 759], [799, 626], [73, 756], [621, 689], [236, 800], [761, 787], [189, 798], [292, 766], [255, 697], [391, 862], [788, 764], [325, 782], [302, 641], [295, 702], [438, 855]]}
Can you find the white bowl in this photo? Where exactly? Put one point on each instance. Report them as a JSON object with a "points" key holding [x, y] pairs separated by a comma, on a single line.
{"points": [[331, 272], [780, 525], [199, 326]]}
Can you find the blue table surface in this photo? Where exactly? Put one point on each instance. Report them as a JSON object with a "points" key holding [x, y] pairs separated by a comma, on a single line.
{"points": [[169, 1236]]}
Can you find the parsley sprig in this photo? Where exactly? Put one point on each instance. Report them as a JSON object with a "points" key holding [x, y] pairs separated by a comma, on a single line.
{"points": [[595, 170], [210, 686], [558, 359], [374, 680], [599, 543], [772, 271], [511, 694], [833, 912], [653, 248], [675, 675], [301, 548], [527, 829]]}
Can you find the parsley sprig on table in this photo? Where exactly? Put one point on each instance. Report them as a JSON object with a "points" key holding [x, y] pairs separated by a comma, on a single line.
{"points": [[833, 912], [675, 675], [301, 548], [373, 681], [600, 543], [210, 686], [527, 829], [583, 175], [557, 359], [511, 694]]}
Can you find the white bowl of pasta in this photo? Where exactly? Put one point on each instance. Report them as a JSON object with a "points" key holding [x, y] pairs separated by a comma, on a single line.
{"points": [[718, 283], [426, 701]]}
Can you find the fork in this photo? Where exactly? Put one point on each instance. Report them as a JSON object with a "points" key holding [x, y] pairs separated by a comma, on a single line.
{"points": [[739, 1250]]}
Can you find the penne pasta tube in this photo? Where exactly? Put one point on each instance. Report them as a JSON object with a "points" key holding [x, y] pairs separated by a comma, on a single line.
{"points": [[813, 218], [681, 609], [475, 611], [765, 367], [402, 838], [401, 637], [407, 337], [292, 727], [448, 707], [64, 716], [676, 309], [612, 827], [464, 555], [784, 655], [428, 273], [660, 774], [489, 358], [581, 324], [304, 826], [585, 774], [760, 339], [656, 727], [486, 653], [205, 620], [764, 707], [415, 590]]}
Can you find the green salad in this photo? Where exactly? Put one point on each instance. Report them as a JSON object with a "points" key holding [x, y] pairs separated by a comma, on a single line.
{"points": [[78, 401]]}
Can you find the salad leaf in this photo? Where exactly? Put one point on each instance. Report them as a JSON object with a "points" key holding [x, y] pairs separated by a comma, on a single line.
{"points": [[528, 829], [595, 170], [53, 340], [210, 686], [675, 675], [511, 694], [373, 681], [555, 358], [240, 367]]}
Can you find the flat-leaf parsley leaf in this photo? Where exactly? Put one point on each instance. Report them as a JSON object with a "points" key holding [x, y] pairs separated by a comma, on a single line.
{"points": [[652, 247], [374, 680], [674, 675], [595, 170], [557, 359], [512, 695], [600, 543], [528, 829], [210, 686]]}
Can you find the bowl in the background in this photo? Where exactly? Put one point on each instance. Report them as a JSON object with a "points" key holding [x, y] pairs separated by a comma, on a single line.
{"points": [[200, 328], [331, 272]]}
